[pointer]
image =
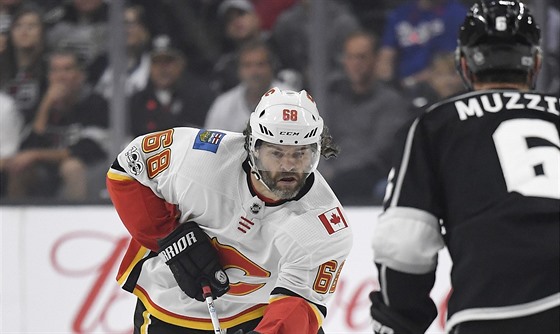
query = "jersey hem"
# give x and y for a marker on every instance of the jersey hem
(506, 312)
(157, 311)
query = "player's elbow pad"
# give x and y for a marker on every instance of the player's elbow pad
(407, 240)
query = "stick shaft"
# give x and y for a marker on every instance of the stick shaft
(207, 294)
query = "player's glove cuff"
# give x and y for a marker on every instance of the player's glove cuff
(389, 321)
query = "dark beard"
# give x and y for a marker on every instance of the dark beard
(282, 193)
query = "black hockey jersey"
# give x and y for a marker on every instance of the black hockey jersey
(479, 173)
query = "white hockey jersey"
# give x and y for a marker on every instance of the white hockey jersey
(268, 250)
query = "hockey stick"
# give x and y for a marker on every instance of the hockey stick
(207, 294)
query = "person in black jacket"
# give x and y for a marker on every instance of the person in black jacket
(173, 96)
(478, 174)
(68, 134)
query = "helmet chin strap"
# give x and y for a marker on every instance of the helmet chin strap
(257, 174)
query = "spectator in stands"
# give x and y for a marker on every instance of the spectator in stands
(269, 10)
(364, 115)
(551, 63)
(5, 22)
(68, 135)
(193, 24)
(241, 24)
(7, 9)
(137, 52)
(414, 32)
(442, 81)
(171, 98)
(371, 14)
(256, 68)
(290, 35)
(11, 128)
(3, 41)
(82, 25)
(22, 65)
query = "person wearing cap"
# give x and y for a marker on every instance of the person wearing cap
(171, 97)
(240, 5)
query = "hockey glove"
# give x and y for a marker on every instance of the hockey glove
(240, 331)
(193, 261)
(388, 321)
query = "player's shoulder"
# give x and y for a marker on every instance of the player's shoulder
(188, 138)
(448, 102)
(319, 218)
(178, 150)
(319, 232)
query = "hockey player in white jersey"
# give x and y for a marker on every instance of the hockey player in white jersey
(246, 214)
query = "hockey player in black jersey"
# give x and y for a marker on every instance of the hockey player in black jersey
(478, 173)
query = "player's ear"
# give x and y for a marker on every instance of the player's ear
(463, 69)
(534, 73)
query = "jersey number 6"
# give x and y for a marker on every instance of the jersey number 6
(327, 277)
(529, 153)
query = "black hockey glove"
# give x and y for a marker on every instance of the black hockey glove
(193, 261)
(240, 331)
(388, 321)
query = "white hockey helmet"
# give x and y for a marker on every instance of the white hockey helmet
(285, 117)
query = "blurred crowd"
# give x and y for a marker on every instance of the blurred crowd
(206, 63)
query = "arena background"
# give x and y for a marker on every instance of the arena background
(58, 261)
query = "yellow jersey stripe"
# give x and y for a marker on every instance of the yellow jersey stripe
(116, 175)
(197, 323)
(142, 253)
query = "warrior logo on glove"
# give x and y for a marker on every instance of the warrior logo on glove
(194, 261)
(180, 245)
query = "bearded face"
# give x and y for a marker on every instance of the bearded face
(285, 185)
(284, 168)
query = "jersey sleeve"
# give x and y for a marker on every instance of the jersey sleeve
(146, 216)
(413, 177)
(407, 236)
(139, 185)
(153, 159)
(289, 314)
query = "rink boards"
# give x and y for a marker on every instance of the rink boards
(59, 266)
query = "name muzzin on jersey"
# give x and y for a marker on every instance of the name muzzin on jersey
(476, 104)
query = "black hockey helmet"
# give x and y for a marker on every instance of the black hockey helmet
(498, 35)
